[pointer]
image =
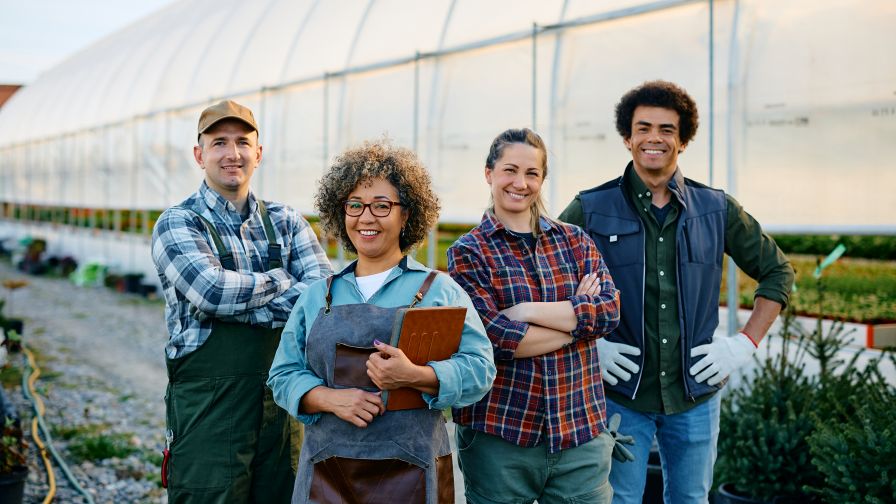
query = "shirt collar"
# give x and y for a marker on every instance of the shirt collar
(406, 263)
(218, 204)
(640, 192)
(491, 224)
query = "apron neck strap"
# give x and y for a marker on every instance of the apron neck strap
(329, 298)
(424, 288)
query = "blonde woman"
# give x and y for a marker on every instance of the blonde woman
(545, 297)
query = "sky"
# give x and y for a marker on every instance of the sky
(35, 35)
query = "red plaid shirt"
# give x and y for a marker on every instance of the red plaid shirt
(558, 396)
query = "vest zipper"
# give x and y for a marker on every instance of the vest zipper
(643, 295)
(682, 315)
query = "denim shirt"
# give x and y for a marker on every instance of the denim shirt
(463, 379)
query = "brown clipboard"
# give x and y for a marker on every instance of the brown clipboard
(425, 334)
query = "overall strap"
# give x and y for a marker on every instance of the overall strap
(424, 288)
(225, 256)
(274, 260)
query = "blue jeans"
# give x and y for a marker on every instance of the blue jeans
(687, 443)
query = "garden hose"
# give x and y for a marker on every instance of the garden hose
(37, 403)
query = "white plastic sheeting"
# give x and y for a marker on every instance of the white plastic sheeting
(804, 98)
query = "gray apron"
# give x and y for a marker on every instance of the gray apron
(401, 456)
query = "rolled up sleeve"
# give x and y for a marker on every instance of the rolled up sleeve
(596, 315)
(289, 378)
(757, 254)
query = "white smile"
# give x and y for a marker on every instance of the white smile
(515, 195)
(653, 152)
(368, 232)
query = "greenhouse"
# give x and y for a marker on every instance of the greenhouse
(797, 106)
(797, 103)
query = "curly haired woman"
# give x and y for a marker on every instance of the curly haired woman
(379, 201)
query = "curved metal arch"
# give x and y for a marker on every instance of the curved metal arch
(246, 42)
(552, 103)
(187, 35)
(436, 77)
(111, 80)
(340, 110)
(209, 43)
(296, 38)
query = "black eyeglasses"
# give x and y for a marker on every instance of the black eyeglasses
(379, 208)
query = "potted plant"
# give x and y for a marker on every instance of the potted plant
(11, 340)
(132, 282)
(11, 324)
(13, 468)
(789, 435)
(853, 445)
(10, 331)
(763, 426)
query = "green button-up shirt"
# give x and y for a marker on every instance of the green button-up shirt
(662, 381)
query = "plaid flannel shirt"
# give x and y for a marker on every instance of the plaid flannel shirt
(557, 397)
(198, 289)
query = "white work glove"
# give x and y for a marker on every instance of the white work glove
(612, 362)
(723, 356)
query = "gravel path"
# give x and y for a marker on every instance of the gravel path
(103, 378)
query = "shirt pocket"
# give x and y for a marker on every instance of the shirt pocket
(565, 278)
(350, 367)
(511, 285)
(617, 239)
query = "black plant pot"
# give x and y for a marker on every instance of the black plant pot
(726, 494)
(132, 283)
(14, 324)
(17, 325)
(12, 485)
(148, 290)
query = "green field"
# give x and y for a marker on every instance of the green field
(857, 290)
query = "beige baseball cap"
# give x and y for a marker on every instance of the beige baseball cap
(227, 109)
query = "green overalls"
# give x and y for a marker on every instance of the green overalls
(229, 442)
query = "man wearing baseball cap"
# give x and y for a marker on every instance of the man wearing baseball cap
(231, 267)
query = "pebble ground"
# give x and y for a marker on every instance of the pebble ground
(102, 373)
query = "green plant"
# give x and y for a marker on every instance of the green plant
(100, 446)
(853, 446)
(764, 424)
(13, 341)
(12, 446)
(153, 457)
(829, 435)
(871, 247)
(10, 375)
(68, 433)
(858, 290)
